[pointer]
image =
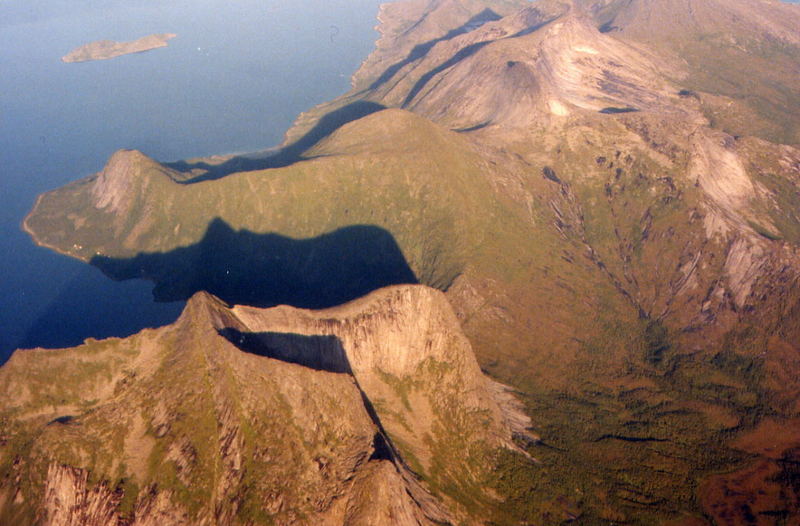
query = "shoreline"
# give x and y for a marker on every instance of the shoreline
(108, 49)
(38, 242)
(378, 28)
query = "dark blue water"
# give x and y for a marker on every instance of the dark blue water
(232, 81)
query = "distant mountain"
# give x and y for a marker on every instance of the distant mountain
(608, 192)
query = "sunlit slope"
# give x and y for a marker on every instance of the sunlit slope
(747, 52)
(611, 244)
(663, 326)
(408, 31)
(372, 413)
(651, 307)
(392, 169)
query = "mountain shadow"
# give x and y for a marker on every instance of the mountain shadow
(318, 352)
(244, 267)
(452, 61)
(88, 305)
(420, 50)
(462, 54)
(290, 154)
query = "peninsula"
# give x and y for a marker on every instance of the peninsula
(105, 49)
(483, 205)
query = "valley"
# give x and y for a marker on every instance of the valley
(606, 195)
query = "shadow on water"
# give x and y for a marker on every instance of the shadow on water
(285, 156)
(269, 269)
(87, 305)
(241, 267)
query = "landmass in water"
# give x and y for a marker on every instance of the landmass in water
(105, 49)
(606, 193)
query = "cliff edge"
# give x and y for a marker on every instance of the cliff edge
(374, 412)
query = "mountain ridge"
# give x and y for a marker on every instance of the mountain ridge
(339, 427)
(612, 219)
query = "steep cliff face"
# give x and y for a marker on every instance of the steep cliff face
(608, 194)
(416, 367)
(353, 415)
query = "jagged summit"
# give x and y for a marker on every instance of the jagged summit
(239, 415)
(606, 193)
(543, 60)
(613, 56)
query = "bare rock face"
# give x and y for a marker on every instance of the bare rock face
(113, 186)
(607, 190)
(69, 502)
(252, 416)
(415, 366)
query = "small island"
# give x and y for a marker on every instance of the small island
(106, 49)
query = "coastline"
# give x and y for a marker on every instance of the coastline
(108, 49)
(37, 241)
(379, 28)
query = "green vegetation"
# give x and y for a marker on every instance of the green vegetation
(755, 73)
(457, 461)
(656, 341)
(588, 266)
(784, 211)
(350, 187)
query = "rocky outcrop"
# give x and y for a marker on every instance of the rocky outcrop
(113, 186)
(415, 366)
(258, 416)
(69, 502)
(606, 190)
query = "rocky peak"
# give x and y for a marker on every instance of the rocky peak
(522, 70)
(244, 414)
(113, 186)
(403, 334)
(609, 200)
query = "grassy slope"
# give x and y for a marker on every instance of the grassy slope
(239, 437)
(736, 50)
(633, 388)
(345, 184)
(209, 407)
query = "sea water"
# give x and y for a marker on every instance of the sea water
(233, 80)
